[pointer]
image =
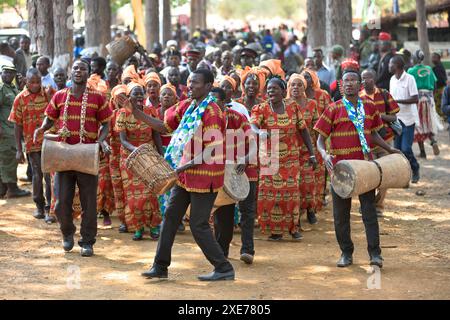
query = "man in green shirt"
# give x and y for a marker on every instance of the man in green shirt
(8, 162)
(429, 120)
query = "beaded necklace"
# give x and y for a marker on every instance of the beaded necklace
(64, 132)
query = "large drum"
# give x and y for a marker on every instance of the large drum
(354, 177)
(121, 49)
(147, 164)
(61, 156)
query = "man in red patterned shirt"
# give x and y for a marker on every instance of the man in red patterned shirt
(96, 129)
(388, 108)
(28, 114)
(199, 181)
(342, 122)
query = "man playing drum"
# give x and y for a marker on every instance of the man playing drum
(82, 114)
(352, 126)
(199, 181)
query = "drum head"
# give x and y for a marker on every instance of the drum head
(236, 186)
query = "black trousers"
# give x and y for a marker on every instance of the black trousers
(224, 223)
(341, 213)
(201, 206)
(64, 191)
(38, 186)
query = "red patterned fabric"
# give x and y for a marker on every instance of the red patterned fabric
(203, 177)
(28, 111)
(278, 194)
(141, 207)
(345, 144)
(97, 112)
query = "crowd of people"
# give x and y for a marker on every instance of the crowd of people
(326, 107)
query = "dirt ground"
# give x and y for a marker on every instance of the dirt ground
(415, 238)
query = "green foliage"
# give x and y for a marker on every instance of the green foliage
(15, 4)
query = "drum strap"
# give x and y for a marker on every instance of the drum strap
(381, 172)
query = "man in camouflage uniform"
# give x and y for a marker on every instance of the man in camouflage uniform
(8, 162)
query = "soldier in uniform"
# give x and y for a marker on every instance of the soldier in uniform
(8, 162)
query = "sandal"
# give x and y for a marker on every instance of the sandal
(275, 237)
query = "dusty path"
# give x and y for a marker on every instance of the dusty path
(415, 241)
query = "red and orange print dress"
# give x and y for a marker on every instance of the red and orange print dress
(278, 192)
(141, 207)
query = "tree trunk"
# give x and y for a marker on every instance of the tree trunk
(316, 23)
(195, 15)
(422, 30)
(41, 26)
(167, 22)
(338, 23)
(204, 8)
(98, 24)
(63, 25)
(151, 23)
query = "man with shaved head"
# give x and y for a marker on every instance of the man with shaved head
(28, 113)
(60, 78)
(43, 64)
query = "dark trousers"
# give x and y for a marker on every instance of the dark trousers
(29, 168)
(64, 191)
(42, 203)
(224, 226)
(224, 223)
(201, 206)
(404, 143)
(341, 213)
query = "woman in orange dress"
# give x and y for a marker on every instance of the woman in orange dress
(323, 100)
(141, 207)
(296, 91)
(118, 98)
(278, 191)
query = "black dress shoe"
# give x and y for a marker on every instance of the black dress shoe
(345, 261)
(376, 261)
(39, 214)
(49, 218)
(311, 215)
(68, 243)
(123, 228)
(155, 272)
(217, 276)
(87, 250)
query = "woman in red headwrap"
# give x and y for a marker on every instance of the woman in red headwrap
(297, 91)
(141, 207)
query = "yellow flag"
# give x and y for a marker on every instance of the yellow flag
(139, 20)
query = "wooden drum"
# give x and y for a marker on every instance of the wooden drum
(147, 164)
(61, 156)
(235, 188)
(121, 49)
(354, 177)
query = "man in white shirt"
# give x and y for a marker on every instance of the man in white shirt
(325, 74)
(403, 89)
(43, 64)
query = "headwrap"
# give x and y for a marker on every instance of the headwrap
(419, 55)
(152, 76)
(314, 77)
(95, 82)
(350, 64)
(169, 86)
(296, 76)
(231, 81)
(384, 36)
(118, 90)
(258, 73)
(130, 72)
(133, 85)
(274, 67)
